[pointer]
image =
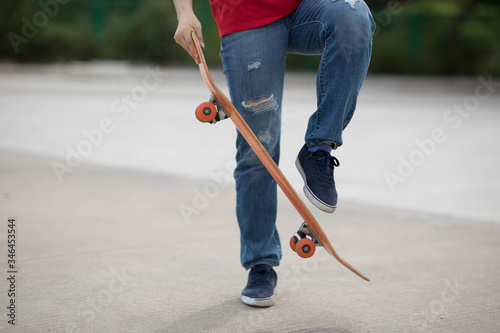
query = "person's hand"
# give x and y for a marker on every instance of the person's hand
(187, 23)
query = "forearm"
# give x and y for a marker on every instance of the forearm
(183, 7)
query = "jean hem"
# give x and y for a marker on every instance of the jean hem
(269, 262)
(316, 142)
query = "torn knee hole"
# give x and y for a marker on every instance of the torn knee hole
(264, 137)
(254, 65)
(351, 3)
(260, 105)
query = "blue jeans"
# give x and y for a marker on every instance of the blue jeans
(254, 64)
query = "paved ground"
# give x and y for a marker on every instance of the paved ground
(109, 251)
(130, 235)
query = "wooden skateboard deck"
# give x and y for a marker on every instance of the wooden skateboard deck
(220, 107)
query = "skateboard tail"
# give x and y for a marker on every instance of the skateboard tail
(266, 160)
(346, 264)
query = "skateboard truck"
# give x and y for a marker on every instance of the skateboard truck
(211, 111)
(304, 241)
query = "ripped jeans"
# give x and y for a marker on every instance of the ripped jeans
(254, 64)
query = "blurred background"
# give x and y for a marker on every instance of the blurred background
(67, 64)
(449, 37)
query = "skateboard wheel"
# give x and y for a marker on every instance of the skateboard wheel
(293, 243)
(206, 112)
(305, 248)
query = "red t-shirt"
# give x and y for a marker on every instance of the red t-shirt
(238, 15)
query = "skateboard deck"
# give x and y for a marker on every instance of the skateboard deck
(310, 233)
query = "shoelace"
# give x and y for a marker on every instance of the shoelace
(259, 277)
(329, 163)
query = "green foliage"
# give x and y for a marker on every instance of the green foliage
(146, 34)
(443, 38)
(35, 35)
(446, 37)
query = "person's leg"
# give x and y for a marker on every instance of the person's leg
(341, 31)
(254, 64)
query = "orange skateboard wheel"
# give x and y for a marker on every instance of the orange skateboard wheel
(293, 244)
(306, 248)
(206, 112)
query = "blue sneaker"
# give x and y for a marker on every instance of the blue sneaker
(259, 290)
(316, 168)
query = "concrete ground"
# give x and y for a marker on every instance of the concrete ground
(109, 251)
(132, 238)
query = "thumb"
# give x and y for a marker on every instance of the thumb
(200, 38)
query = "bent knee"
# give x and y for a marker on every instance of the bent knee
(351, 18)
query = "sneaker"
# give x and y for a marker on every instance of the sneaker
(316, 168)
(259, 290)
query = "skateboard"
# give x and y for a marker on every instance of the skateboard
(310, 234)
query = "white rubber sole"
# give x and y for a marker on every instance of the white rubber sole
(259, 302)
